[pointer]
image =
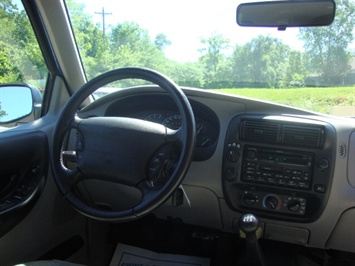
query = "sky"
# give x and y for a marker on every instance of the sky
(182, 25)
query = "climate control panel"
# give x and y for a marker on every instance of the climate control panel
(273, 202)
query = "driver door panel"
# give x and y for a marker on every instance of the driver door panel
(36, 223)
(23, 168)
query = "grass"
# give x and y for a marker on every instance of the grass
(313, 99)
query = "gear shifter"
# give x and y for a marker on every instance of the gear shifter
(248, 224)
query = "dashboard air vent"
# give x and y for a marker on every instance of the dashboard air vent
(260, 131)
(303, 136)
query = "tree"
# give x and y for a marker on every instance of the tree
(129, 34)
(161, 41)
(2, 112)
(93, 45)
(213, 56)
(295, 72)
(327, 46)
(20, 57)
(187, 74)
(8, 70)
(260, 62)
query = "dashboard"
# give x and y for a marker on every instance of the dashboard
(293, 169)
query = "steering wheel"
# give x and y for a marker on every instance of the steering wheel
(121, 150)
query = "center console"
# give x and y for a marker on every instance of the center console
(278, 167)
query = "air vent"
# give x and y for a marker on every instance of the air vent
(260, 131)
(303, 136)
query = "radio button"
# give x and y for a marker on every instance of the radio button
(260, 179)
(248, 178)
(291, 183)
(250, 171)
(267, 174)
(306, 176)
(270, 180)
(319, 188)
(295, 172)
(303, 184)
(251, 164)
(251, 154)
(281, 182)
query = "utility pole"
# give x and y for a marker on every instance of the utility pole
(103, 14)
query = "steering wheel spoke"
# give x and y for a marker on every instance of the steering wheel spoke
(174, 135)
(74, 177)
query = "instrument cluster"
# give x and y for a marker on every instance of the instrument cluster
(206, 133)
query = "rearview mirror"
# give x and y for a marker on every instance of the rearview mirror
(283, 14)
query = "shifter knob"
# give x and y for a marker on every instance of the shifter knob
(248, 223)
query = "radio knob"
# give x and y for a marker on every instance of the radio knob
(294, 205)
(271, 202)
(251, 154)
(323, 164)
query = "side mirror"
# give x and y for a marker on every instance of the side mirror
(19, 103)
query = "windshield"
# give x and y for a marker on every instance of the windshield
(199, 44)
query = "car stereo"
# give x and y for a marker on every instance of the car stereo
(278, 167)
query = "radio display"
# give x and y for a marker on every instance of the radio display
(282, 158)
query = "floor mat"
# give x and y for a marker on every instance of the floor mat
(126, 255)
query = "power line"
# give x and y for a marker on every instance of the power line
(103, 14)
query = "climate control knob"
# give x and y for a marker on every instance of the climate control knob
(294, 205)
(272, 202)
(250, 198)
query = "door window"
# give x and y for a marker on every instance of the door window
(21, 62)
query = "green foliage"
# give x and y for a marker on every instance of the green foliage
(161, 41)
(187, 74)
(326, 47)
(262, 63)
(213, 58)
(2, 112)
(314, 99)
(20, 57)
